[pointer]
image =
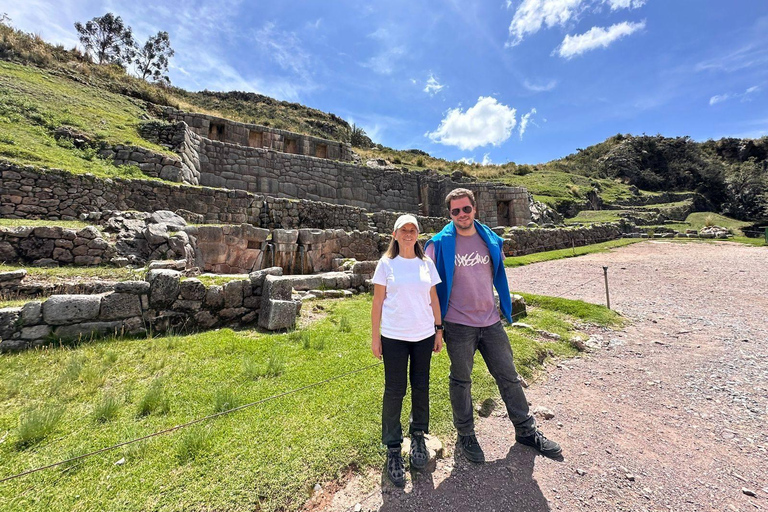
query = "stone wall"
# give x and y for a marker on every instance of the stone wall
(33, 193)
(162, 303)
(51, 246)
(263, 137)
(231, 161)
(522, 241)
(166, 302)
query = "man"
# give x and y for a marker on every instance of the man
(470, 261)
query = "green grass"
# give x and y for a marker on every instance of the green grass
(34, 102)
(700, 220)
(216, 280)
(757, 242)
(72, 272)
(519, 261)
(595, 216)
(73, 224)
(266, 457)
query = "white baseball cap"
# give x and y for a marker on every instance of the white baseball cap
(406, 219)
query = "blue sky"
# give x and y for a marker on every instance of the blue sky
(503, 80)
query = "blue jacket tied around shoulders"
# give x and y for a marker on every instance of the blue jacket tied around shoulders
(445, 260)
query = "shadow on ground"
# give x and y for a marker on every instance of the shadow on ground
(503, 484)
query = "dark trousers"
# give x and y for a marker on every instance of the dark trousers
(396, 354)
(462, 341)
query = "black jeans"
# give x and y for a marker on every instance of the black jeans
(395, 354)
(462, 341)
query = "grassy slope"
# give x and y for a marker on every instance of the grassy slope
(268, 456)
(33, 103)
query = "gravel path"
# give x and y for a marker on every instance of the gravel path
(670, 414)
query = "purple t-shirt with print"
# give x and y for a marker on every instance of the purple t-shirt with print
(471, 301)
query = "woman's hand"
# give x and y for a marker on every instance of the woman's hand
(438, 342)
(376, 346)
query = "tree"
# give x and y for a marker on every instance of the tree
(152, 58)
(108, 39)
(358, 138)
(747, 186)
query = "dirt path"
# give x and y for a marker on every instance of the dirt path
(669, 415)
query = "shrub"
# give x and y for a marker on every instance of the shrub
(154, 400)
(224, 399)
(192, 443)
(344, 324)
(106, 409)
(419, 162)
(37, 423)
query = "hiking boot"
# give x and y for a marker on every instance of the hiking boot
(469, 446)
(395, 467)
(419, 455)
(545, 446)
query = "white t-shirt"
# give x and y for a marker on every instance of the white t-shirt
(407, 310)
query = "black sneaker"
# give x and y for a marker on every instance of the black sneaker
(545, 446)
(395, 467)
(419, 455)
(469, 446)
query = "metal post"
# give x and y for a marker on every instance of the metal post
(766, 234)
(607, 296)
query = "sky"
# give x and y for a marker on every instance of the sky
(493, 81)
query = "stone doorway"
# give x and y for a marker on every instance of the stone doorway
(321, 151)
(256, 139)
(505, 213)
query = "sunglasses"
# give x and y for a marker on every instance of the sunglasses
(465, 209)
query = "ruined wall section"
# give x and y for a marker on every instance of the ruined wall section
(262, 137)
(34, 193)
(232, 159)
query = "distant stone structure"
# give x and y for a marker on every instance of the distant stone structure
(221, 153)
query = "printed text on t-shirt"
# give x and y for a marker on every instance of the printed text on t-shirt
(471, 259)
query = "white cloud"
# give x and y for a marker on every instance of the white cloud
(466, 160)
(596, 37)
(524, 122)
(486, 159)
(433, 86)
(285, 48)
(533, 14)
(624, 4)
(745, 96)
(385, 61)
(540, 87)
(717, 98)
(488, 122)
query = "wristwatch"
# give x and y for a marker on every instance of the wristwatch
(439, 327)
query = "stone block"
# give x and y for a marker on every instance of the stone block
(192, 289)
(134, 287)
(87, 330)
(278, 314)
(257, 278)
(13, 275)
(233, 293)
(214, 297)
(119, 306)
(276, 288)
(9, 322)
(36, 332)
(7, 252)
(71, 309)
(32, 313)
(163, 287)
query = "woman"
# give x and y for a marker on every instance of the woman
(406, 323)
